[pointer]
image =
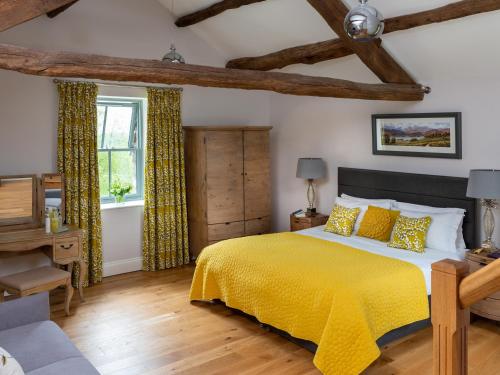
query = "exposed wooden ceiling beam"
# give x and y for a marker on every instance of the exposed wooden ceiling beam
(211, 11)
(335, 48)
(15, 12)
(56, 12)
(306, 54)
(75, 65)
(375, 57)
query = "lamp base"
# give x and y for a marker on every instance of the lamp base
(488, 246)
(488, 225)
(311, 211)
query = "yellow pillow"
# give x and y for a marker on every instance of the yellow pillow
(342, 220)
(378, 223)
(409, 233)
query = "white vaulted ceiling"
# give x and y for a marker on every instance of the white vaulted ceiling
(467, 47)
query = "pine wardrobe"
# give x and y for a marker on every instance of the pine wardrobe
(228, 183)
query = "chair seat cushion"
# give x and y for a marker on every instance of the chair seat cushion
(30, 279)
(38, 345)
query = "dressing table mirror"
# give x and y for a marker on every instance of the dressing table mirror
(18, 202)
(52, 193)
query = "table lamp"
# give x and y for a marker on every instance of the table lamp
(311, 169)
(484, 184)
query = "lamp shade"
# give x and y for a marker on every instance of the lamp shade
(484, 184)
(311, 168)
(173, 56)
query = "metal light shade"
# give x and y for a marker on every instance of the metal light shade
(484, 184)
(364, 23)
(311, 168)
(173, 56)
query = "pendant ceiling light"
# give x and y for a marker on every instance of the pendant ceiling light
(364, 23)
(173, 56)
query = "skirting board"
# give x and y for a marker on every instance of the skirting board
(122, 266)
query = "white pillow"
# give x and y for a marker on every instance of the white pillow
(460, 242)
(372, 202)
(349, 203)
(401, 206)
(442, 234)
(8, 365)
(460, 236)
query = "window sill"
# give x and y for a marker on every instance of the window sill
(112, 206)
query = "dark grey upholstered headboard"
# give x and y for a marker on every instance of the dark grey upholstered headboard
(429, 190)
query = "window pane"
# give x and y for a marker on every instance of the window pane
(101, 110)
(117, 132)
(103, 173)
(123, 168)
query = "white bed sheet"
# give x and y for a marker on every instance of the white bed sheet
(422, 260)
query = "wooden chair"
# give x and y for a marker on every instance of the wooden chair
(37, 280)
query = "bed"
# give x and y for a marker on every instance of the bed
(346, 296)
(430, 190)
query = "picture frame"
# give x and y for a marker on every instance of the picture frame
(427, 135)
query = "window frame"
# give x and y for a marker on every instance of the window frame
(136, 123)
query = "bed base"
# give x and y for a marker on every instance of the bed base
(386, 339)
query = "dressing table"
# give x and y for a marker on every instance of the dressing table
(62, 248)
(23, 200)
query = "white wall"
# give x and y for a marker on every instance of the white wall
(128, 28)
(339, 131)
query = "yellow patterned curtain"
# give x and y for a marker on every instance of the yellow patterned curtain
(165, 242)
(77, 159)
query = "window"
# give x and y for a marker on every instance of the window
(120, 146)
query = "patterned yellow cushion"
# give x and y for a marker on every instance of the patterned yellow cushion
(342, 220)
(378, 223)
(409, 233)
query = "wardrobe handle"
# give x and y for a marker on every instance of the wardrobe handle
(66, 247)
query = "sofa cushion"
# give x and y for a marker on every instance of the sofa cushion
(38, 344)
(78, 366)
(26, 310)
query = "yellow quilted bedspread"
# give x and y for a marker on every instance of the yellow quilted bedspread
(338, 297)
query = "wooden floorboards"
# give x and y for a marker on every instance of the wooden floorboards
(142, 323)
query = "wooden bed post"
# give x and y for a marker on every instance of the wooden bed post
(449, 320)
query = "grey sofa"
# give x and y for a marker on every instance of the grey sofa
(38, 344)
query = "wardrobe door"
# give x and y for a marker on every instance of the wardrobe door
(195, 156)
(257, 174)
(225, 201)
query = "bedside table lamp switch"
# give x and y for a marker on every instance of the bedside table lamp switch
(311, 169)
(484, 184)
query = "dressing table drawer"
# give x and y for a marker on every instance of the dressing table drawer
(67, 248)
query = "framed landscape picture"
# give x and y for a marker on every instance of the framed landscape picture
(431, 135)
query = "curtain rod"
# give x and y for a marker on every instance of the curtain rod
(123, 85)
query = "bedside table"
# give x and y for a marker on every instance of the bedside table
(490, 306)
(299, 223)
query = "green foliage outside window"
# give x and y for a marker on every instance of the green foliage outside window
(120, 144)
